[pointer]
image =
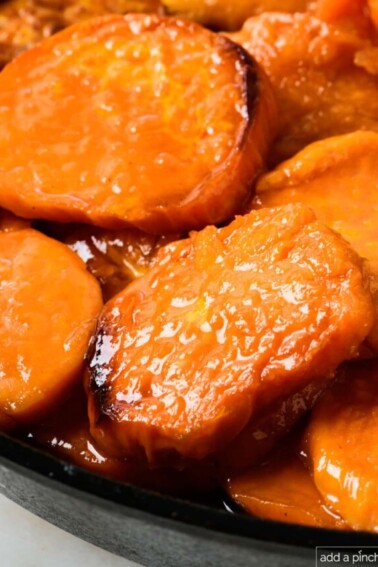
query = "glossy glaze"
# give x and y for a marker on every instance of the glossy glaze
(283, 490)
(337, 179)
(65, 434)
(270, 425)
(224, 321)
(341, 444)
(116, 258)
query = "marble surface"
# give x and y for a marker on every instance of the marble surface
(28, 541)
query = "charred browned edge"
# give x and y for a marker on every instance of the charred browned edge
(251, 83)
(251, 90)
(100, 391)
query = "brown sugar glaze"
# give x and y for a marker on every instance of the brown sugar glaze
(66, 435)
(281, 489)
(116, 258)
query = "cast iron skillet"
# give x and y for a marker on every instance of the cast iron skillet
(150, 528)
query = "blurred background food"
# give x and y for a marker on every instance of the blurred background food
(25, 22)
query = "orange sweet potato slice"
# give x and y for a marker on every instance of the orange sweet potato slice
(226, 15)
(137, 120)
(337, 178)
(317, 76)
(342, 446)
(224, 322)
(48, 310)
(115, 258)
(283, 490)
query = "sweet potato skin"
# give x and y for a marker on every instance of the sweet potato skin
(48, 305)
(227, 320)
(336, 177)
(350, 412)
(103, 86)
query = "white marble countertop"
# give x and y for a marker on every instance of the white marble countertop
(28, 541)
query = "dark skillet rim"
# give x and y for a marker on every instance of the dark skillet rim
(179, 510)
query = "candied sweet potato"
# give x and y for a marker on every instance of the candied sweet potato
(282, 490)
(322, 89)
(48, 310)
(224, 322)
(226, 15)
(136, 120)
(115, 258)
(342, 446)
(337, 178)
(23, 23)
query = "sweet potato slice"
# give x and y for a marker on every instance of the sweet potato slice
(48, 310)
(136, 120)
(283, 490)
(226, 15)
(224, 322)
(342, 447)
(316, 74)
(337, 178)
(115, 258)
